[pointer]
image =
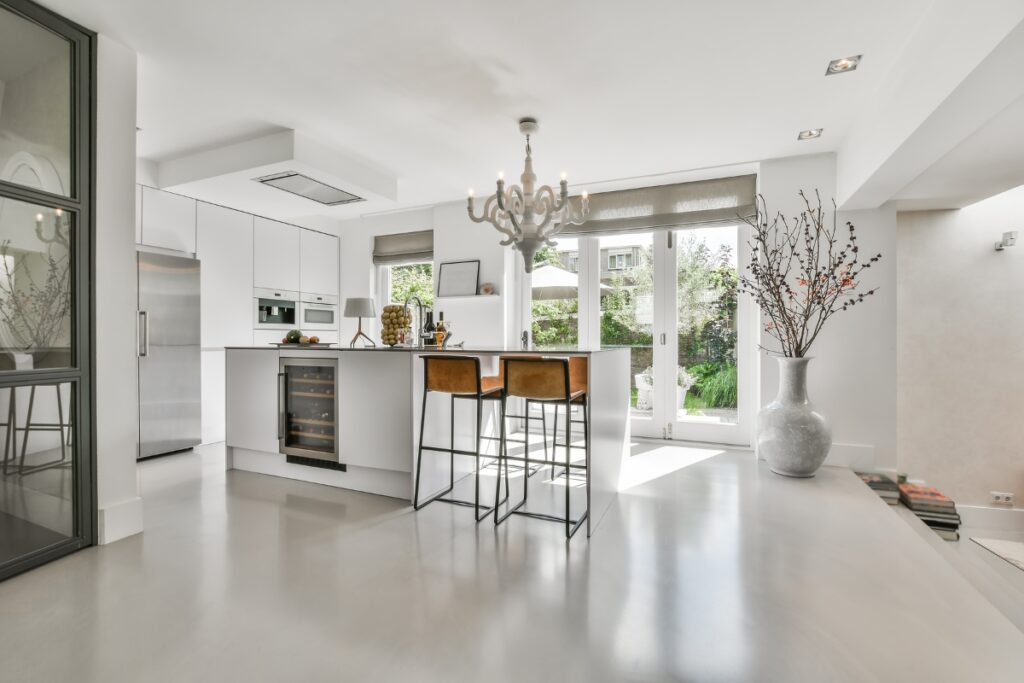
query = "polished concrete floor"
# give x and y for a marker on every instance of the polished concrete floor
(707, 568)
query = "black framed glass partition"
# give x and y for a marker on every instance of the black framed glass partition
(47, 110)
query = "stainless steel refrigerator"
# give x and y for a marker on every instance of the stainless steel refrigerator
(170, 393)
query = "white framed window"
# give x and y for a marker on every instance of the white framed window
(396, 282)
(620, 261)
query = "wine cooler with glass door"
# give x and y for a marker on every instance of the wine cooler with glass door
(308, 409)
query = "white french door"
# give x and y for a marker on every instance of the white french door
(707, 342)
(671, 296)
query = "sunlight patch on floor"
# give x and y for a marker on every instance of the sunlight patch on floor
(649, 461)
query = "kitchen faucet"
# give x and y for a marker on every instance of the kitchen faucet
(419, 318)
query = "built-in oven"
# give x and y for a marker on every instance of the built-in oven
(318, 312)
(275, 309)
(307, 406)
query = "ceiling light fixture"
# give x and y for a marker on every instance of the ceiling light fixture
(810, 134)
(529, 218)
(843, 65)
(304, 186)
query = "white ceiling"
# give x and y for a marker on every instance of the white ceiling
(430, 91)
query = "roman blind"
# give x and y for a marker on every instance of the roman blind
(703, 202)
(403, 247)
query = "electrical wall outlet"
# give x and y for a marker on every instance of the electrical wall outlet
(1001, 497)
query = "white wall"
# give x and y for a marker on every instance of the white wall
(961, 349)
(116, 295)
(853, 377)
(456, 238)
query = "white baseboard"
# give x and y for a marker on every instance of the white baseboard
(997, 519)
(120, 520)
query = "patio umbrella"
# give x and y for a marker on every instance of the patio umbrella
(551, 282)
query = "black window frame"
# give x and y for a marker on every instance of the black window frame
(80, 204)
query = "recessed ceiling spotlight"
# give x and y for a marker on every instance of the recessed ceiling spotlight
(842, 65)
(810, 134)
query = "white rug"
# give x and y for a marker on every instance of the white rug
(1011, 551)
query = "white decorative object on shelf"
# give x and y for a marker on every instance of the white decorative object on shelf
(529, 218)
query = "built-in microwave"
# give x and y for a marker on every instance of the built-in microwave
(318, 312)
(275, 309)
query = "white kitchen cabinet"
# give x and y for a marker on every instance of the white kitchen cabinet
(168, 220)
(265, 337)
(276, 255)
(251, 408)
(320, 255)
(225, 250)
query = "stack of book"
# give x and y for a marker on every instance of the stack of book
(885, 487)
(932, 508)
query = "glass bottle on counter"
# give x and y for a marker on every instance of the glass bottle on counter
(439, 330)
(427, 331)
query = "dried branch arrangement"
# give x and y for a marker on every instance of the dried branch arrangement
(802, 272)
(36, 313)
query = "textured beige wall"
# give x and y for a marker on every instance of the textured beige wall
(961, 349)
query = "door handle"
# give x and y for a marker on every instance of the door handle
(143, 333)
(280, 405)
(662, 338)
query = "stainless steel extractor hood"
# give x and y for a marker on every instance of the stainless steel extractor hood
(304, 186)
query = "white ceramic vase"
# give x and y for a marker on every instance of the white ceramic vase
(791, 435)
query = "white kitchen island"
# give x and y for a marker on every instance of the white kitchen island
(378, 394)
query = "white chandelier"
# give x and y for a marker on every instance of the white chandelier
(528, 218)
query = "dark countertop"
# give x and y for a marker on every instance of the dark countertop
(567, 350)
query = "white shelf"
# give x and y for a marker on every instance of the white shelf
(460, 297)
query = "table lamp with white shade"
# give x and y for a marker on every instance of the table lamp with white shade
(360, 307)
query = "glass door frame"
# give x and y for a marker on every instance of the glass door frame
(79, 204)
(667, 350)
(663, 422)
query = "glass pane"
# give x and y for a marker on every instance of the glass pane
(35, 286)
(37, 473)
(310, 413)
(35, 106)
(706, 291)
(413, 279)
(627, 309)
(319, 316)
(555, 296)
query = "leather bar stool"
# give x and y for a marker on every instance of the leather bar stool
(546, 381)
(459, 377)
(498, 380)
(578, 384)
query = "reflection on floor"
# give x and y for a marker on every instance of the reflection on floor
(19, 537)
(36, 508)
(718, 570)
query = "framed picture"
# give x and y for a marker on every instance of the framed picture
(458, 278)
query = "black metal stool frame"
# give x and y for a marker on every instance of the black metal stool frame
(582, 402)
(479, 397)
(571, 525)
(11, 439)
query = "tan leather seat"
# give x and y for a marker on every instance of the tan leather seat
(459, 378)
